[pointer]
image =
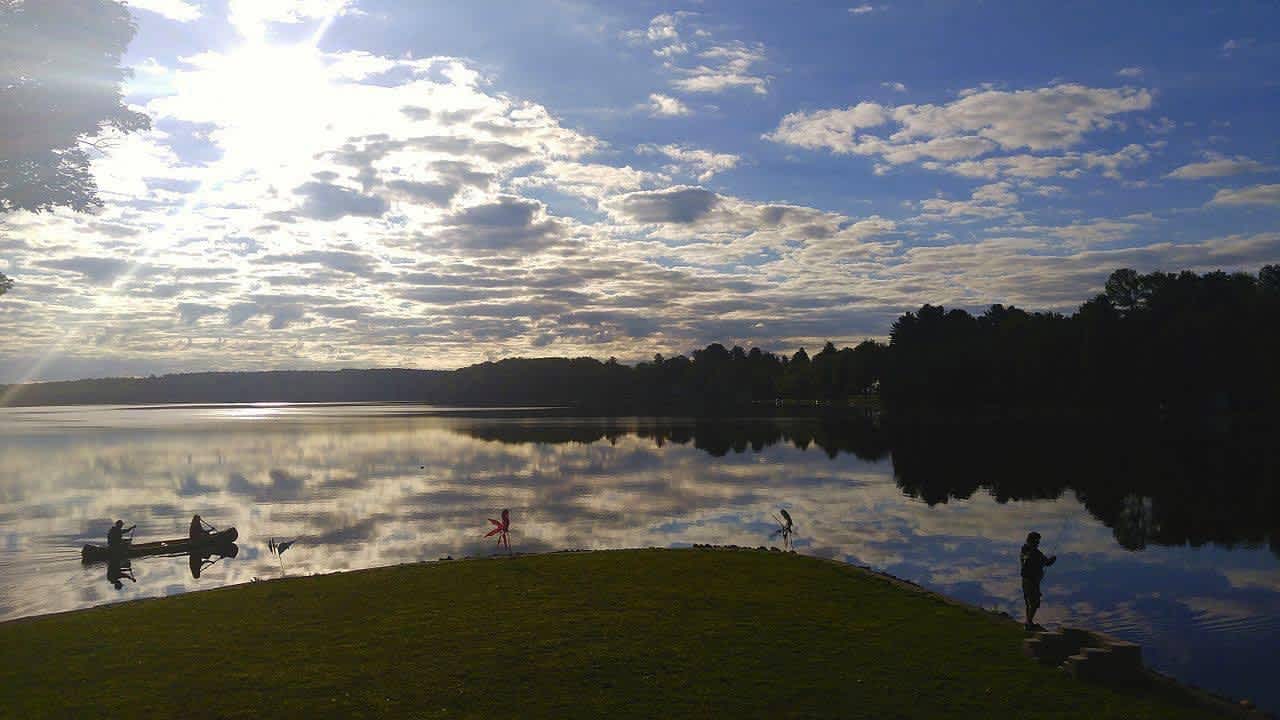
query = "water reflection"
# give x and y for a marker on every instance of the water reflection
(117, 569)
(360, 486)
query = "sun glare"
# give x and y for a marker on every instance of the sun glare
(274, 101)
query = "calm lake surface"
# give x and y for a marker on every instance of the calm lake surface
(1170, 542)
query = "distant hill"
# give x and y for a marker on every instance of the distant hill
(541, 381)
(236, 387)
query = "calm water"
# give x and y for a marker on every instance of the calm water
(1171, 542)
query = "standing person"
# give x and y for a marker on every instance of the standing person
(115, 536)
(1033, 562)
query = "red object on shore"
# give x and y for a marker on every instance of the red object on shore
(501, 529)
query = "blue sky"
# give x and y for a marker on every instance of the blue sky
(372, 182)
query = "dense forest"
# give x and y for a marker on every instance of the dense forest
(1161, 341)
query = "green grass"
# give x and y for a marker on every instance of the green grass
(643, 633)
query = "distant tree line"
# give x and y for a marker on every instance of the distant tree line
(1182, 342)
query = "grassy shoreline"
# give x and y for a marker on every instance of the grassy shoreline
(633, 633)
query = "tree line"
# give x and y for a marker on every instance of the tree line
(1149, 342)
(1178, 342)
(1173, 341)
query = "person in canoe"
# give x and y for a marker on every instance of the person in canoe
(199, 528)
(115, 536)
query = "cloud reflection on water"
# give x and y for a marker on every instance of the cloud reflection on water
(373, 488)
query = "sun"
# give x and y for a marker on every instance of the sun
(271, 103)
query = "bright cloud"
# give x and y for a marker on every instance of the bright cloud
(1215, 165)
(251, 17)
(704, 164)
(1255, 195)
(697, 63)
(369, 202)
(179, 10)
(982, 122)
(666, 106)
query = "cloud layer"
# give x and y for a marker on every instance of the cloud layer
(299, 205)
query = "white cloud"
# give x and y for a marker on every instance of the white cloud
(591, 180)
(1231, 46)
(987, 201)
(955, 136)
(1068, 165)
(251, 17)
(713, 67)
(1130, 72)
(894, 86)
(1047, 118)
(704, 164)
(666, 106)
(727, 67)
(863, 9)
(179, 10)
(1254, 195)
(1129, 156)
(1216, 165)
(834, 129)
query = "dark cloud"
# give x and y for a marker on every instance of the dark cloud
(434, 193)
(171, 184)
(341, 260)
(190, 313)
(281, 317)
(507, 223)
(416, 113)
(238, 313)
(498, 152)
(444, 295)
(322, 201)
(681, 204)
(343, 312)
(633, 325)
(113, 230)
(96, 270)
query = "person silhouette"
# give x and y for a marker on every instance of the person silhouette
(199, 529)
(115, 536)
(1032, 564)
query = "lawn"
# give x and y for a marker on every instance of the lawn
(640, 633)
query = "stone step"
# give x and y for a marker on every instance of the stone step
(1126, 654)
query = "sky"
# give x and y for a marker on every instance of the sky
(407, 183)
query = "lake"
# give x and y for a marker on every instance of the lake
(1167, 536)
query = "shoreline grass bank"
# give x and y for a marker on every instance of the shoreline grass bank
(632, 633)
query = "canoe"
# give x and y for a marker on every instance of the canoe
(210, 544)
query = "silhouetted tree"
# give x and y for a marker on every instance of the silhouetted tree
(6, 284)
(1124, 289)
(1269, 279)
(60, 78)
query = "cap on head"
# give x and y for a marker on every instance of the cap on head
(119, 523)
(1033, 537)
